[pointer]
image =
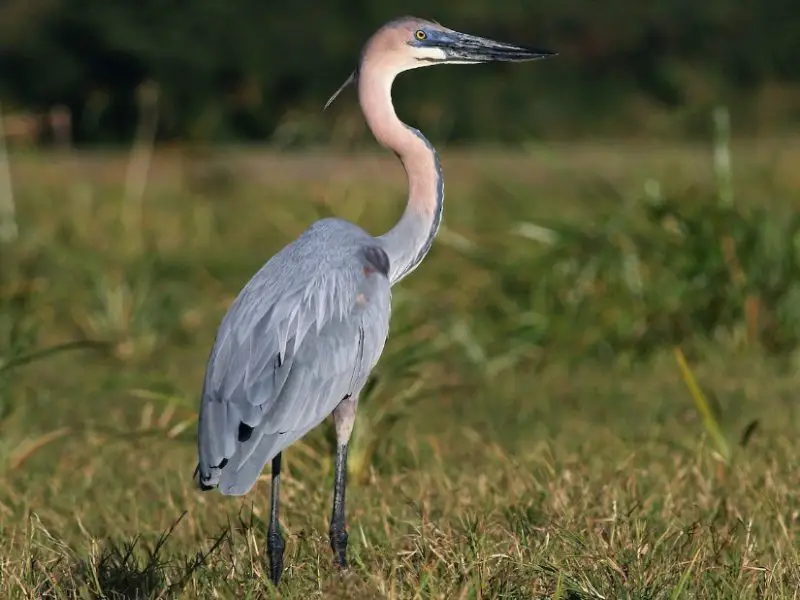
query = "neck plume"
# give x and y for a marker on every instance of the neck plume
(409, 241)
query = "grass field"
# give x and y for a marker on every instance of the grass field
(529, 432)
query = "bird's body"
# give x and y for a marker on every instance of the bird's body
(301, 338)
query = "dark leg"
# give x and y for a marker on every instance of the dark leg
(338, 532)
(275, 544)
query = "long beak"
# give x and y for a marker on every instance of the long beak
(466, 48)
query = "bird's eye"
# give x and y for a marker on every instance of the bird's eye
(420, 35)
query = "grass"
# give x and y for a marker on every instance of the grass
(528, 433)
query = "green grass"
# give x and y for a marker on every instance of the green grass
(514, 443)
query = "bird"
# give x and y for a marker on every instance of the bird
(301, 338)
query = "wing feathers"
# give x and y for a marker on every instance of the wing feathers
(303, 333)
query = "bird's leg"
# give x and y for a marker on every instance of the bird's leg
(338, 532)
(344, 418)
(275, 543)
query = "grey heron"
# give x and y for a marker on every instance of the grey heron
(301, 338)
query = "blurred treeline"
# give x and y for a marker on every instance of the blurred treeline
(261, 69)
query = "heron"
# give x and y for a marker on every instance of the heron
(300, 340)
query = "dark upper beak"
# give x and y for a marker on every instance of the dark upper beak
(462, 47)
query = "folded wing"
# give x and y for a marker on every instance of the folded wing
(302, 335)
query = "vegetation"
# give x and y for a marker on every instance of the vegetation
(589, 390)
(255, 70)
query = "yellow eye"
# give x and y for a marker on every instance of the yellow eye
(420, 35)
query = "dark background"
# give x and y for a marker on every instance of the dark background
(253, 70)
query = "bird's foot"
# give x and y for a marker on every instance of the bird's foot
(275, 547)
(339, 545)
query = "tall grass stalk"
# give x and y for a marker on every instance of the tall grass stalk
(8, 219)
(141, 158)
(723, 173)
(701, 403)
(723, 169)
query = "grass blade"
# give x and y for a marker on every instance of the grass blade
(701, 403)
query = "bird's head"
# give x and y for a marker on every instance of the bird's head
(410, 43)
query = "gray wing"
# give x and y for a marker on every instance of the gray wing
(303, 334)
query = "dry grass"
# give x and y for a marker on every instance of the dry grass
(494, 467)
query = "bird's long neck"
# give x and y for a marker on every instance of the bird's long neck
(409, 241)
